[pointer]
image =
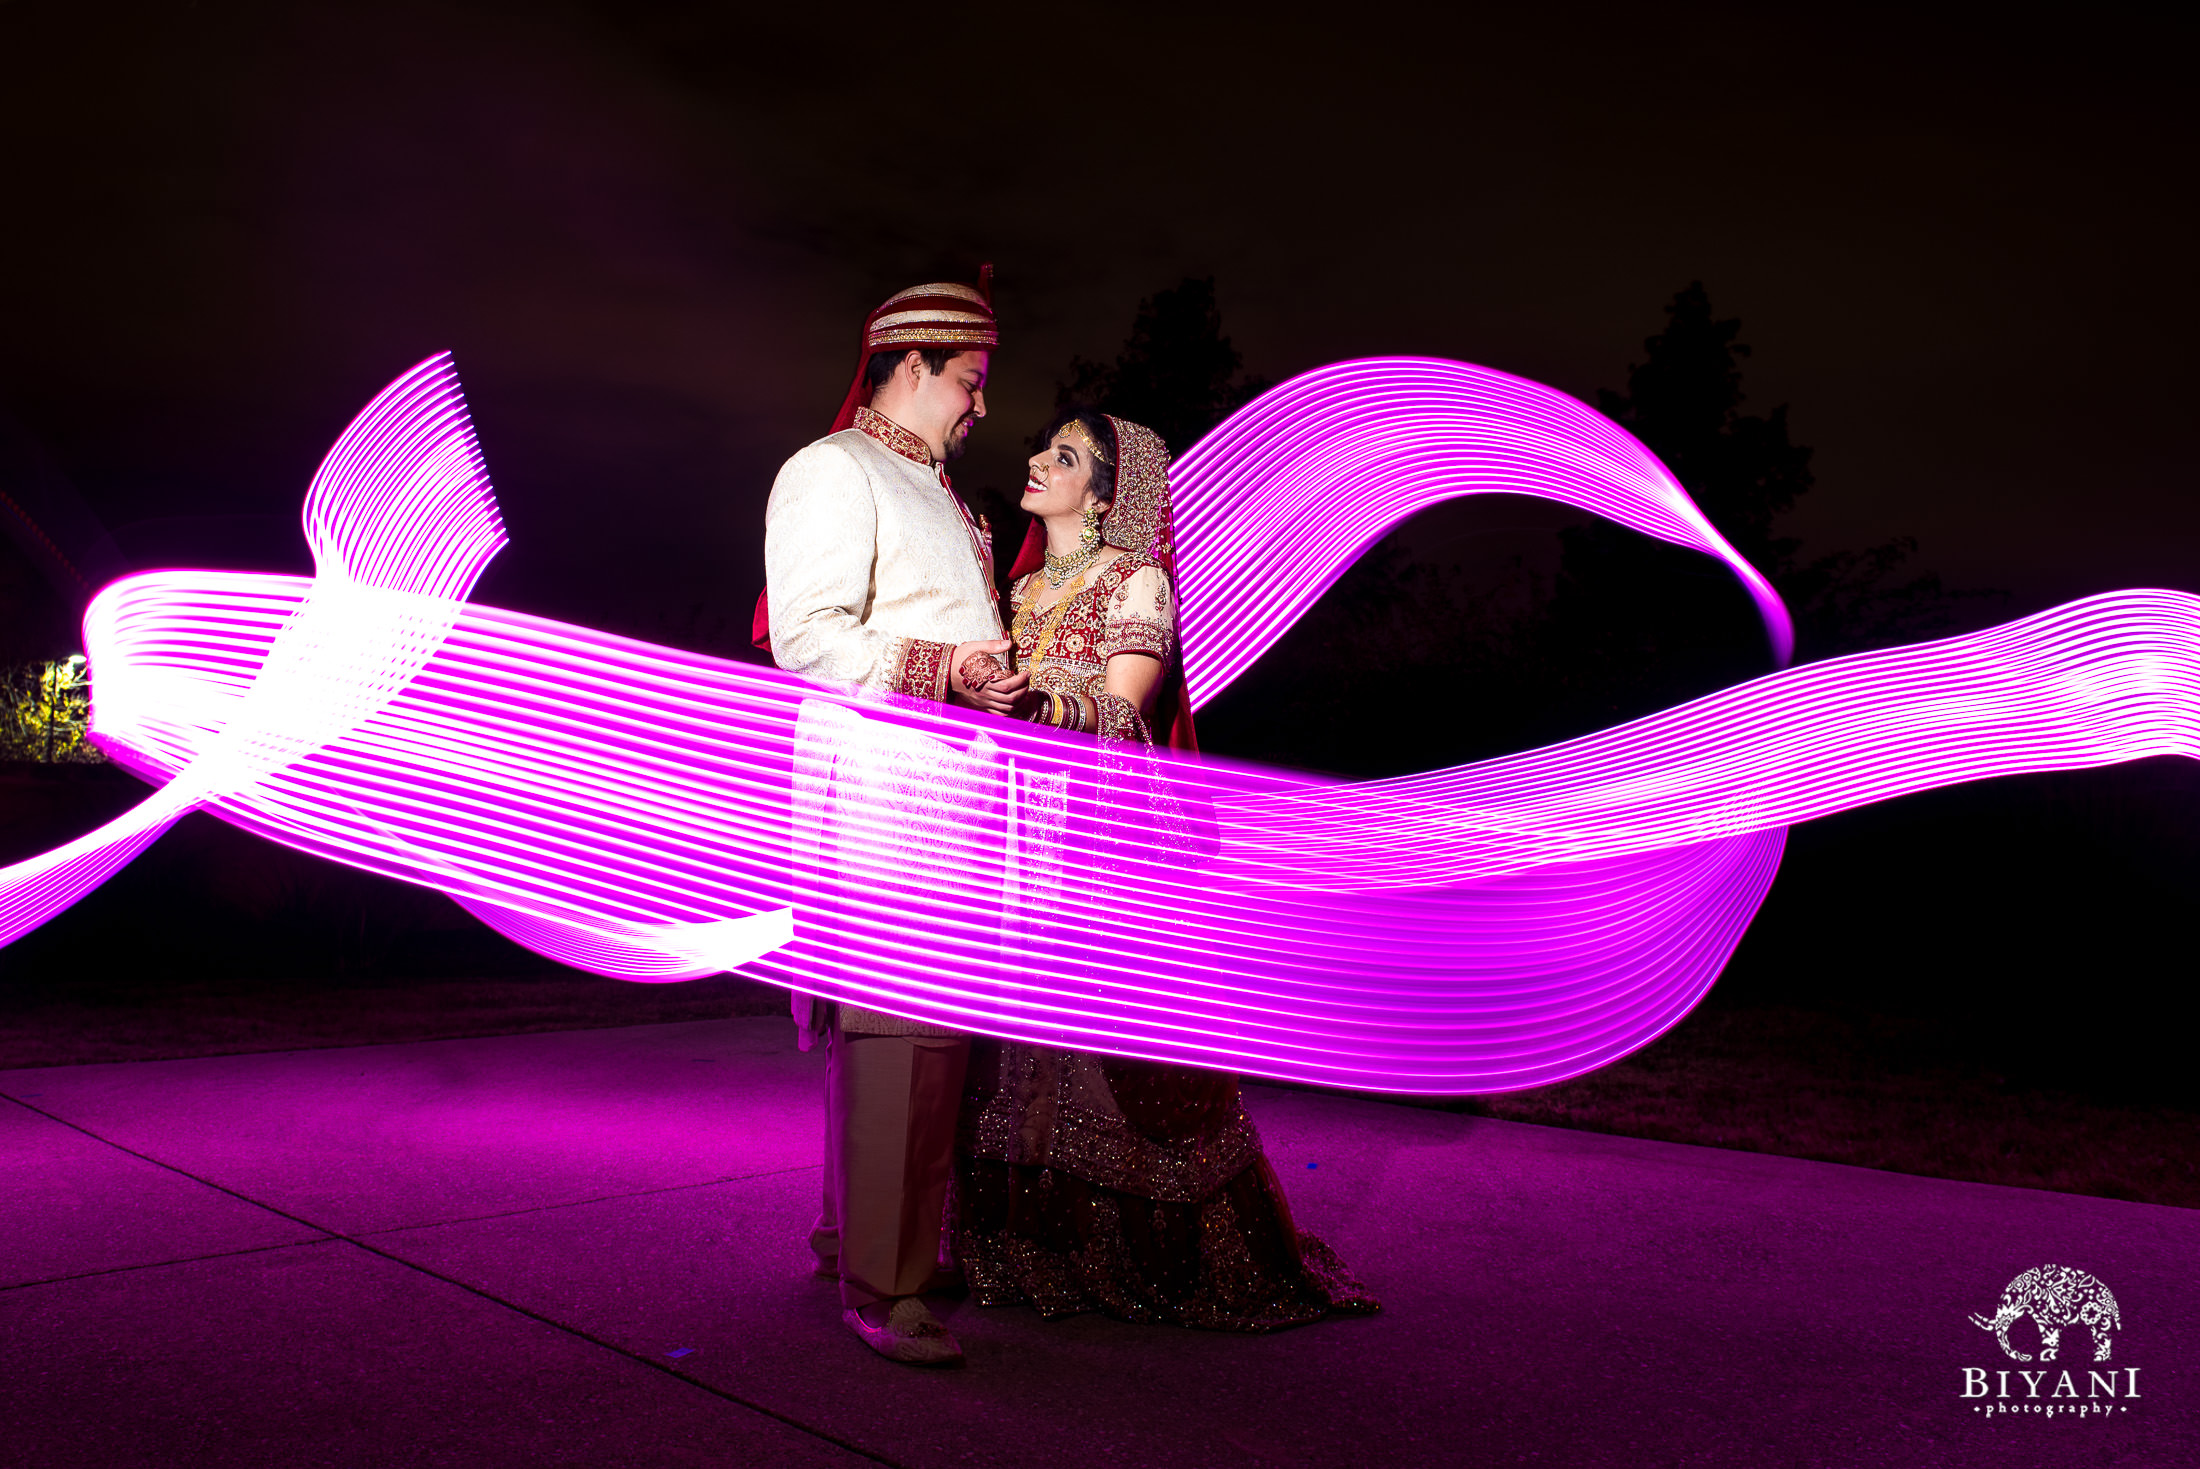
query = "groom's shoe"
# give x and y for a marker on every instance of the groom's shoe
(905, 1330)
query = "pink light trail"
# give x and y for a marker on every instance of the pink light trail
(1274, 504)
(652, 814)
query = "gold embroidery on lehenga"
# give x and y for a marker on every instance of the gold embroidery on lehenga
(1069, 650)
(1140, 1191)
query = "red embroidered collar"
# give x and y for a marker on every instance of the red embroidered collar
(894, 437)
(914, 449)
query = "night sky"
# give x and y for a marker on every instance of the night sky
(1961, 248)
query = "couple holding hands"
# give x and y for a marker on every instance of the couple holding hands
(1062, 1180)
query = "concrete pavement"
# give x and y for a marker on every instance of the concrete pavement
(585, 1248)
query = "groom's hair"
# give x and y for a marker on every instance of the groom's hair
(878, 369)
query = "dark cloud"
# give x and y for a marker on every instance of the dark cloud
(650, 230)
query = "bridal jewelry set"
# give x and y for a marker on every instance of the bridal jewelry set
(1060, 569)
(1066, 711)
(1062, 711)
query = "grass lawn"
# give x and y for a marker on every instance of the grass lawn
(1868, 1090)
(1879, 1092)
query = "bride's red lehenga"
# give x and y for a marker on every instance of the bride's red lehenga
(1084, 1182)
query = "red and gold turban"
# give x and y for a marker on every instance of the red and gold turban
(938, 315)
(942, 314)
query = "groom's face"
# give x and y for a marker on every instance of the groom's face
(953, 399)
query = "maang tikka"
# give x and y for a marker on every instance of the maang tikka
(1076, 427)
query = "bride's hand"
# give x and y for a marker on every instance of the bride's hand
(978, 678)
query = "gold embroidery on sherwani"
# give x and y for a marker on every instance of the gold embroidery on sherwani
(894, 437)
(869, 558)
(873, 581)
(917, 451)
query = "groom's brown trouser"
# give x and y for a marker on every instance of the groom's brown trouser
(890, 1105)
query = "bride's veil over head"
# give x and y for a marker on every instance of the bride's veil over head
(1138, 518)
(1137, 521)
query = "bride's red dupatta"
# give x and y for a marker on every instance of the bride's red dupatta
(1137, 520)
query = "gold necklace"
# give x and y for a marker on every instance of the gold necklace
(1045, 642)
(1061, 568)
(1076, 563)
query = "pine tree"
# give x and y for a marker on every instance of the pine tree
(1684, 403)
(1636, 624)
(1632, 625)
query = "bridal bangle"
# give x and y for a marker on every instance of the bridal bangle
(1063, 711)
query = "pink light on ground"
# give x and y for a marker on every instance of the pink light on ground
(653, 814)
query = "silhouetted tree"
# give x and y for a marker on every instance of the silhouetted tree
(1636, 624)
(1178, 374)
(1684, 402)
(1404, 665)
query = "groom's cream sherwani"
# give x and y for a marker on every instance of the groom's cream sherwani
(875, 572)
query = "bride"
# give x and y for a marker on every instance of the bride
(1084, 1182)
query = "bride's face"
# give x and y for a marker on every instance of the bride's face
(1061, 478)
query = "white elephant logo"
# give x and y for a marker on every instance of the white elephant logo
(2054, 1296)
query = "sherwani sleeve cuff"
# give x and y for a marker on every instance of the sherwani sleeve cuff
(921, 671)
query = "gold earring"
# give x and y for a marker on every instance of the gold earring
(1090, 540)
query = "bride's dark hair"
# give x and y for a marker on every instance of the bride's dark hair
(1102, 432)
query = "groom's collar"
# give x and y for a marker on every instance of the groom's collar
(896, 438)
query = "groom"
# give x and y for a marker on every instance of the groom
(876, 577)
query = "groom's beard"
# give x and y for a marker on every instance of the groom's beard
(959, 436)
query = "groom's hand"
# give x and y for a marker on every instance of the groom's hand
(987, 684)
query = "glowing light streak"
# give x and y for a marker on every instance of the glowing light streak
(1275, 503)
(655, 815)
